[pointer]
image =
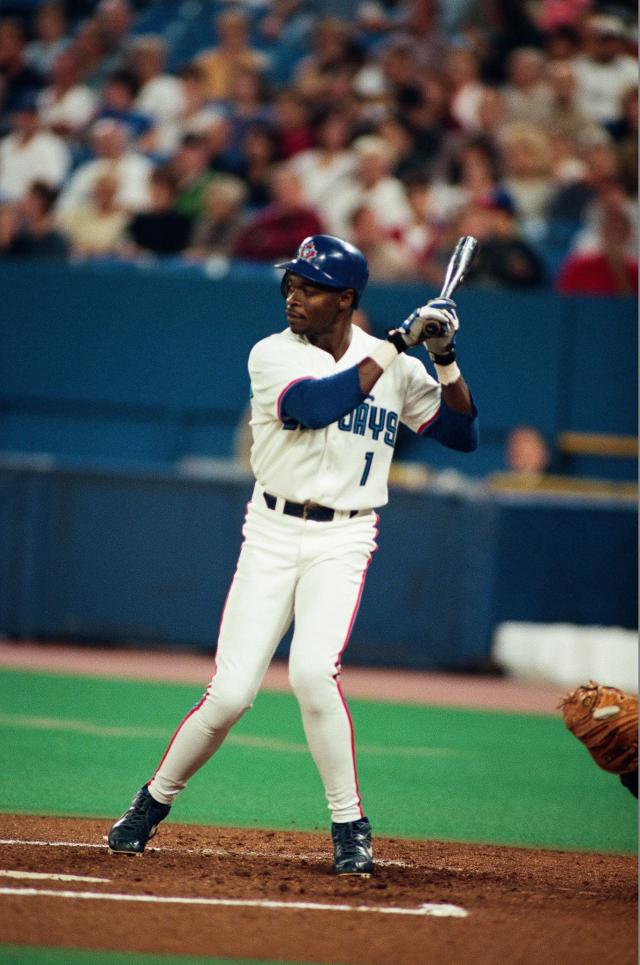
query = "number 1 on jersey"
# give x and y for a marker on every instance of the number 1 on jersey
(368, 459)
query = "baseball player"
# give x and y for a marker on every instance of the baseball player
(327, 400)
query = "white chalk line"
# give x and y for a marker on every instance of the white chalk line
(240, 740)
(204, 852)
(428, 908)
(41, 876)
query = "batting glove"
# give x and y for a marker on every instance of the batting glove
(435, 324)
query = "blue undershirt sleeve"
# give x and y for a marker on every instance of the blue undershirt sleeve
(316, 403)
(455, 430)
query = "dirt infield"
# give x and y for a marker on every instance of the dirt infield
(525, 906)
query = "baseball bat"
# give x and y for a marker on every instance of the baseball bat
(458, 266)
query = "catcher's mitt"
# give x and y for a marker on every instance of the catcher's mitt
(605, 719)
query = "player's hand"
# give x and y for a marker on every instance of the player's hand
(435, 324)
(441, 333)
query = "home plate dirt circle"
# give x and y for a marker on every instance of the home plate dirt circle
(270, 894)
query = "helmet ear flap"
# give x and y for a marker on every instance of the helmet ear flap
(283, 284)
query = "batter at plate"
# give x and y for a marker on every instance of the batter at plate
(327, 400)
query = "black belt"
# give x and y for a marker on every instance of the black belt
(319, 514)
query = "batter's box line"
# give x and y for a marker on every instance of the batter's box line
(433, 909)
(204, 852)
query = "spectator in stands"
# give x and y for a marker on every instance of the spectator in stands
(399, 78)
(408, 160)
(609, 264)
(389, 260)
(504, 259)
(119, 104)
(627, 142)
(114, 19)
(190, 167)
(112, 156)
(422, 235)
(490, 121)
(427, 116)
(552, 15)
(491, 113)
(334, 50)
(372, 186)
(217, 228)
(29, 154)
(566, 118)
(323, 169)
(527, 452)
(278, 228)
(291, 123)
(198, 113)
(50, 38)
(418, 23)
(66, 106)
(18, 78)
(474, 178)
(462, 74)
(502, 26)
(160, 95)
(604, 72)
(220, 64)
(89, 47)
(161, 230)
(570, 201)
(260, 152)
(33, 233)
(527, 158)
(562, 43)
(527, 94)
(96, 229)
(246, 107)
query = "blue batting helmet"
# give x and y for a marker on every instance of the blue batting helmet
(331, 262)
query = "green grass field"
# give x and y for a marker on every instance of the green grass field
(23, 955)
(82, 746)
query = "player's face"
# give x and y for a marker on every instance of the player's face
(311, 310)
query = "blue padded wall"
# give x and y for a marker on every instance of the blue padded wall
(114, 362)
(142, 557)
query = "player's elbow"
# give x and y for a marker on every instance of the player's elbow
(460, 445)
(459, 434)
(470, 444)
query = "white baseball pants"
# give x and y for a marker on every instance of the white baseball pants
(289, 568)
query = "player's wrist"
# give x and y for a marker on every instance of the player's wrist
(385, 354)
(448, 374)
(394, 337)
(443, 358)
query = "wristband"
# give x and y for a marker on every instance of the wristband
(443, 358)
(384, 355)
(448, 374)
(396, 339)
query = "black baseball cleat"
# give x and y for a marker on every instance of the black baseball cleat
(352, 851)
(130, 833)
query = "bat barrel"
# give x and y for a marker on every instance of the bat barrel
(459, 264)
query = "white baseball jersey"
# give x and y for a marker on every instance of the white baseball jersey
(346, 465)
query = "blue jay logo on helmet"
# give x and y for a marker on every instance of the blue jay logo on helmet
(308, 250)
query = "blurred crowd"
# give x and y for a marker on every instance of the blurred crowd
(397, 125)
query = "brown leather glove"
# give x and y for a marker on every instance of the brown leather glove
(605, 719)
